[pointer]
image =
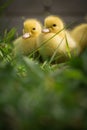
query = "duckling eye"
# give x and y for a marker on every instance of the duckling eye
(33, 28)
(54, 25)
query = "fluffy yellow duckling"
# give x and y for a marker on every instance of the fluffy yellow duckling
(28, 42)
(59, 44)
(79, 33)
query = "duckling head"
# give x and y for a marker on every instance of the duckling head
(32, 28)
(53, 24)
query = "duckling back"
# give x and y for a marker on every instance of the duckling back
(79, 33)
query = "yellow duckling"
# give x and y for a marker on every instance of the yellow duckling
(28, 42)
(79, 33)
(54, 39)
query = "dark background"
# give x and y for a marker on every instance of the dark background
(16, 11)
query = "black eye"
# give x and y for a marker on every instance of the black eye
(54, 25)
(33, 28)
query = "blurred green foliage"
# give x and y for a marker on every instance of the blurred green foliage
(41, 96)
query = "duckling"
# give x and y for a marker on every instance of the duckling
(28, 42)
(53, 39)
(79, 33)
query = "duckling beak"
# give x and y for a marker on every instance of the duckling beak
(26, 35)
(46, 30)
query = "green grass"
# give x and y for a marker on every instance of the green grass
(35, 95)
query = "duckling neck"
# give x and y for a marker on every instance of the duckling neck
(62, 33)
